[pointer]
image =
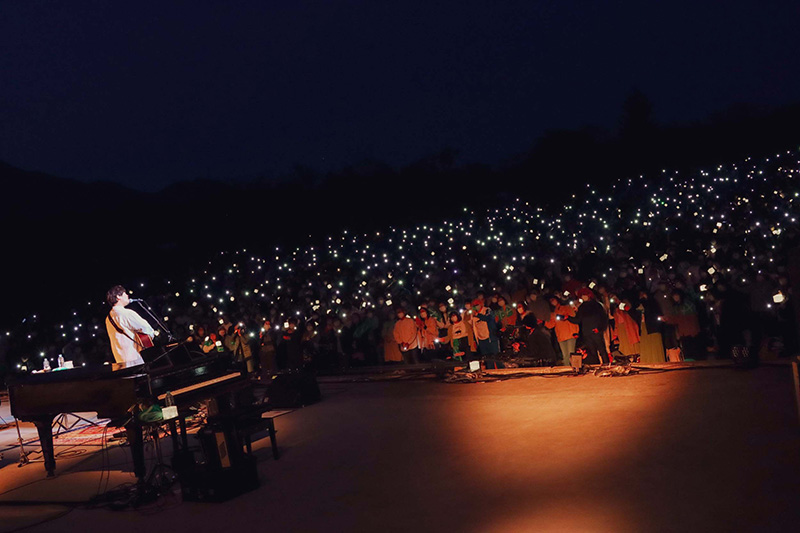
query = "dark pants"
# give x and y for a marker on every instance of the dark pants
(693, 348)
(595, 346)
(267, 361)
(411, 357)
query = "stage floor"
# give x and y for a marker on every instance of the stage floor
(691, 450)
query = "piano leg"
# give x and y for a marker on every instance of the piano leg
(45, 428)
(184, 438)
(173, 432)
(134, 432)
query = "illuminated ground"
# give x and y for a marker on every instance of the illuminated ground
(693, 450)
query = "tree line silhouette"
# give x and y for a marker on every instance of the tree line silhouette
(75, 239)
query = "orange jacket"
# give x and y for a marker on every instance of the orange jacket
(428, 332)
(405, 332)
(565, 329)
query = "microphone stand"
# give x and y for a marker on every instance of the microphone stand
(146, 308)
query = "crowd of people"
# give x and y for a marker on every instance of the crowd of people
(665, 268)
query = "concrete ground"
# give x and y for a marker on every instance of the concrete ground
(690, 450)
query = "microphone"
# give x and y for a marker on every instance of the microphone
(136, 300)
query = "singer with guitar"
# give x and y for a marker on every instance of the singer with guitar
(128, 332)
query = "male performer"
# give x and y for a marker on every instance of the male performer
(122, 326)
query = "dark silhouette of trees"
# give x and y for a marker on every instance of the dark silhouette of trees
(64, 235)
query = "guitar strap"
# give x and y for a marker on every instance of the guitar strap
(119, 329)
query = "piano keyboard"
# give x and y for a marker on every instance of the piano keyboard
(202, 384)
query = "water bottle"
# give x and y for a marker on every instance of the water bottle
(46, 364)
(168, 399)
(60, 361)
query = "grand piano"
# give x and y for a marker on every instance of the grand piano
(115, 393)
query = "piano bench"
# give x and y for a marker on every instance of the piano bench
(267, 424)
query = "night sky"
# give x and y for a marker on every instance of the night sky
(148, 93)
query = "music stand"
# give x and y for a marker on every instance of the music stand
(61, 423)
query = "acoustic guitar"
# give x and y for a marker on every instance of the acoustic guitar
(144, 340)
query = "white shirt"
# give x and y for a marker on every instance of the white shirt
(125, 350)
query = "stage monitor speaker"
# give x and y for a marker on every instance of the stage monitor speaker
(293, 389)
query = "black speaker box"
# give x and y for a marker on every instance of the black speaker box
(293, 389)
(204, 483)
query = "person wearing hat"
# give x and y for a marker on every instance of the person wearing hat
(592, 321)
(538, 344)
(406, 335)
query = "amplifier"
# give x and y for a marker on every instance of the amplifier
(293, 389)
(205, 483)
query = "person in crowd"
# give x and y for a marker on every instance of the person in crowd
(457, 336)
(626, 328)
(406, 335)
(329, 358)
(309, 342)
(266, 350)
(592, 321)
(735, 321)
(197, 338)
(364, 338)
(566, 332)
(442, 320)
(350, 322)
(484, 327)
(687, 325)
(391, 350)
(506, 317)
(290, 347)
(539, 306)
(537, 343)
(428, 331)
(213, 344)
(651, 345)
(238, 344)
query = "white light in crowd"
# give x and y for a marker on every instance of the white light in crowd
(778, 297)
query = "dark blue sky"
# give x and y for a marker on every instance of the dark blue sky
(146, 93)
